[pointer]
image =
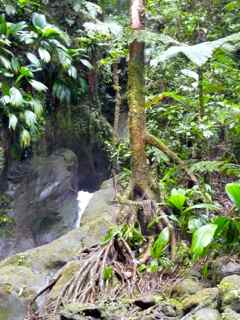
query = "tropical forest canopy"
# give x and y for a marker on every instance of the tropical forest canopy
(174, 67)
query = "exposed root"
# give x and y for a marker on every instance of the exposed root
(91, 280)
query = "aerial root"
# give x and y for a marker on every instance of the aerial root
(90, 280)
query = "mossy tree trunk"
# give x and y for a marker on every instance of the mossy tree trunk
(136, 101)
(139, 137)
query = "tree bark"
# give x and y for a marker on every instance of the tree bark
(136, 100)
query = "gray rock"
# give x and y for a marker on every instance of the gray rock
(229, 314)
(205, 314)
(205, 297)
(101, 204)
(230, 292)
(187, 287)
(44, 201)
(25, 274)
(223, 267)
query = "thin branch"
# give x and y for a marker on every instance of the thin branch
(154, 141)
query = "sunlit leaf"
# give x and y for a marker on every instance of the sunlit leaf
(33, 59)
(72, 71)
(25, 138)
(177, 198)
(16, 97)
(160, 243)
(5, 62)
(13, 120)
(86, 63)
(39, 86)
(233, 191)
(30, 118)
(39, 20)
(202, 237)
(199, 53)
(44, 55)
(37, 106)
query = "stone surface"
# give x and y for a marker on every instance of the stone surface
(223, 267)
(205, 314)
(100, 205)
(229, 314)
(25, 274)
(187, 287)
(230, 292)
(206, 297)
(43, 193)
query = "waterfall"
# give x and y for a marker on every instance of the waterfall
(83, 199)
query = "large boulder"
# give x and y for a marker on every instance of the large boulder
(25, 274)
(43, 201)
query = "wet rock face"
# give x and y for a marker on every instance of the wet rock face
(43, 193)
(27, 273)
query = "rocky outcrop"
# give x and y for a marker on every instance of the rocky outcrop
(42, 194)
(25, 274)
(222, 267)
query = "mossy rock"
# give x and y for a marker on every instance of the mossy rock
(206, 297)
(230, 314)
(186, 287)
(25, 274)
(230, 292)
(205, 314)
(66, 274)
(11, 307)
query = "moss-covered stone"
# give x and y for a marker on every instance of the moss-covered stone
(229, 314)
(187, 287)
(25, 274)
(205, 314)
(66, 274)
(230, 291)
(206, 297)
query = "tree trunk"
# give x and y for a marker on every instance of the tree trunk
(136, 101)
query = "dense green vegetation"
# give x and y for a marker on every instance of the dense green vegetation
(181, 176)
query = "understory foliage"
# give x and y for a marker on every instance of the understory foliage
(50, 62)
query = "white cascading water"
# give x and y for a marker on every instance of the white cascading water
(83, 199)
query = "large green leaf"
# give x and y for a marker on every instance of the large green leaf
(12, 121)
(16, 98)
(202, 237)
(233, 191)
(37, 85)
(160, 243)
(5, 62)
(33, 59)
(44, 55)
(177, 199)
(199, 53)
